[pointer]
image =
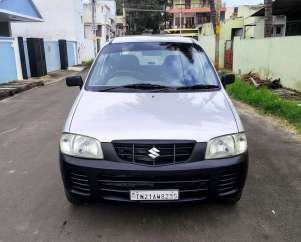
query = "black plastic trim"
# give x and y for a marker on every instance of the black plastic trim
(214, 169)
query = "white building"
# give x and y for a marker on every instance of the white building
(105, 21)
(120, 26)
(17, 11)
(254, 25)
(112, 6)
(62, 20)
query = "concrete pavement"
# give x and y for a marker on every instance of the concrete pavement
(14, 87)
(33, 206)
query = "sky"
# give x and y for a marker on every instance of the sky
(241, 2)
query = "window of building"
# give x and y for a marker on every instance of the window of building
(98, 30)
(278, 30)
(204, 3)
(235, 13)
(187, 4)
(202, 18)
(4, 29)
(87, 30)
(222, 16)
(190, 22)
(293, 27)
(178, 22)
(236, 32)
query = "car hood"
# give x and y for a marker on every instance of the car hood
(198, 116)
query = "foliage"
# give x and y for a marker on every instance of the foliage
(88, 63)
(266, 101)
(140, 21)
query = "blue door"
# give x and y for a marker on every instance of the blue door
(72, 53)
(8, 69)
(52, 55)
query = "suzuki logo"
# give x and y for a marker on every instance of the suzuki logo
(154, 153)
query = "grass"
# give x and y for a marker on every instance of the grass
(266, 101)
(88, 63)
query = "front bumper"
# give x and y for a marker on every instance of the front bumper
(196, 181)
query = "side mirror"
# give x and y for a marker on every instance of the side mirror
(74, 81)
(228, 79)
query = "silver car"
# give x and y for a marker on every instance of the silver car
(153, 123)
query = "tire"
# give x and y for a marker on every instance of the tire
(233, 200)
(75, 201)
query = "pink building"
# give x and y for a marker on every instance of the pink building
(193, 13)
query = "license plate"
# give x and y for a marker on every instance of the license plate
(162, 195)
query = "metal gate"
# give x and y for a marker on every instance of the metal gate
(72, 53)
(8, 69)
(36, 54)
(52, 54)
(228, 54)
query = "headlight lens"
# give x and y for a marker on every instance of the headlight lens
(226, 146)
(81, 146)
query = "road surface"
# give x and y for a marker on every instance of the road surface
(33, 206)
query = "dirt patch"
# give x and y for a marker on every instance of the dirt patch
(268, 120)
(288, 94)
(14, 87)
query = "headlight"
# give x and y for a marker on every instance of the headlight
(226, 146)
(81, 146)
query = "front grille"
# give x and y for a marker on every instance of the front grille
(118, 187)
(79, 183)
(165, 153)
(228, 183)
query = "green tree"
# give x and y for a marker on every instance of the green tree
(140, 17)
(119, 6)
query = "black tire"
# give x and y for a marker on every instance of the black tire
(233, 200)
(75, 201)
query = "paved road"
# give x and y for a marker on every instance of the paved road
(33, 207)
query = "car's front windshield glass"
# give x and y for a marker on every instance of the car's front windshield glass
(160, 65)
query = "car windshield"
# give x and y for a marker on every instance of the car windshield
(152, 66)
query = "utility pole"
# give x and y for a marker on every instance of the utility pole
(213, 14)
(124, 17)
(268, 21)
(123, 9)
(181, 18)
(165, 13)
(215, 7)
(93, 3)
(181, 9)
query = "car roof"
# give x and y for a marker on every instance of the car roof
(161, 38)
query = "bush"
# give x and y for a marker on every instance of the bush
(88, 63)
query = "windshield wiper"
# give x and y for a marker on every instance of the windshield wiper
(198, 87)
(141, 86)
(155, 87)
(145, 86)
